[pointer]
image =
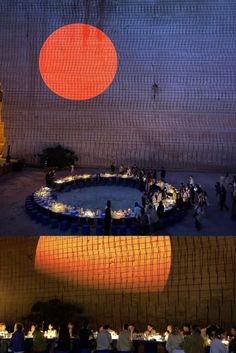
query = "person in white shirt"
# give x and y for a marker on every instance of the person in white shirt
(150, 332)
(124, 343)
(217, 346)
(104, 340)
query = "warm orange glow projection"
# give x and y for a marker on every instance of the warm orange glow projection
(78, 61)
(130, 263)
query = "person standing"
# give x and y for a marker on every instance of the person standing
(222, 197)
(197, 216)
(85, 339)
(107, 219)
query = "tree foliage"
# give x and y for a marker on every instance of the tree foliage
(55, 311)
(57, 157)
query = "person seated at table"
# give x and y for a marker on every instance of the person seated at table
(51, 332)
(194, 343)
(71, 328)
(186, 330)
(150, 332)
(124, 342)
(132, 329)
(63, 342)
(104, 340)
(39, 340)
(232, 343)
(211, 331)
(3, 330)
(112, 332)
(17, 341)
(169, 329)
(100, 328)
(112, 168)
(121, 169)
(217, 345)
(175, 340)
(31, 331)
(85, 338)
(129, 173)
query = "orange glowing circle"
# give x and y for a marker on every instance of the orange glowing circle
(127, 264)
(78, 61)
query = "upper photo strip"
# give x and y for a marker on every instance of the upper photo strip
(117, 117)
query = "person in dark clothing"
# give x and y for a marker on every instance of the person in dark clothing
(63, 339)
(232, 343)
(179, 201)
(222, 198)
(85, 339)
(163, 174)
(197, 217)
(107, 219)
(144, 199)
(192, 194)
(17, 342)
(141, 183)
(160, 210)
(112, 168)
(143, 223)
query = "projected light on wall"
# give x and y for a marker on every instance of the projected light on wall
(78, 62)
(127, 264)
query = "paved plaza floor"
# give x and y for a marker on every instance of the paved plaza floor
(16, 186)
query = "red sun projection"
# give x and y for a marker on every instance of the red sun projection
(126, 264)
(78, 62)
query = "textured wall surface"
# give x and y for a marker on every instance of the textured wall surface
(200, 287)
(186, 46)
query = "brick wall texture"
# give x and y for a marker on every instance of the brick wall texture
(200, 287)
(186, 46)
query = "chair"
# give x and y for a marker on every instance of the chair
(133, 229)
(85, 229)
(114, 229)
(54, 223)
(45, 220)
(64, 225)
(122, 230)
(38, 217)
(99, 229)
(33, 213)
(74, 228)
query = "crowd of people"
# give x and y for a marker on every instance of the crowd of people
(189, 339)
(188, 195)
(149, 211)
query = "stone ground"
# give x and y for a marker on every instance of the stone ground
(16, 186)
